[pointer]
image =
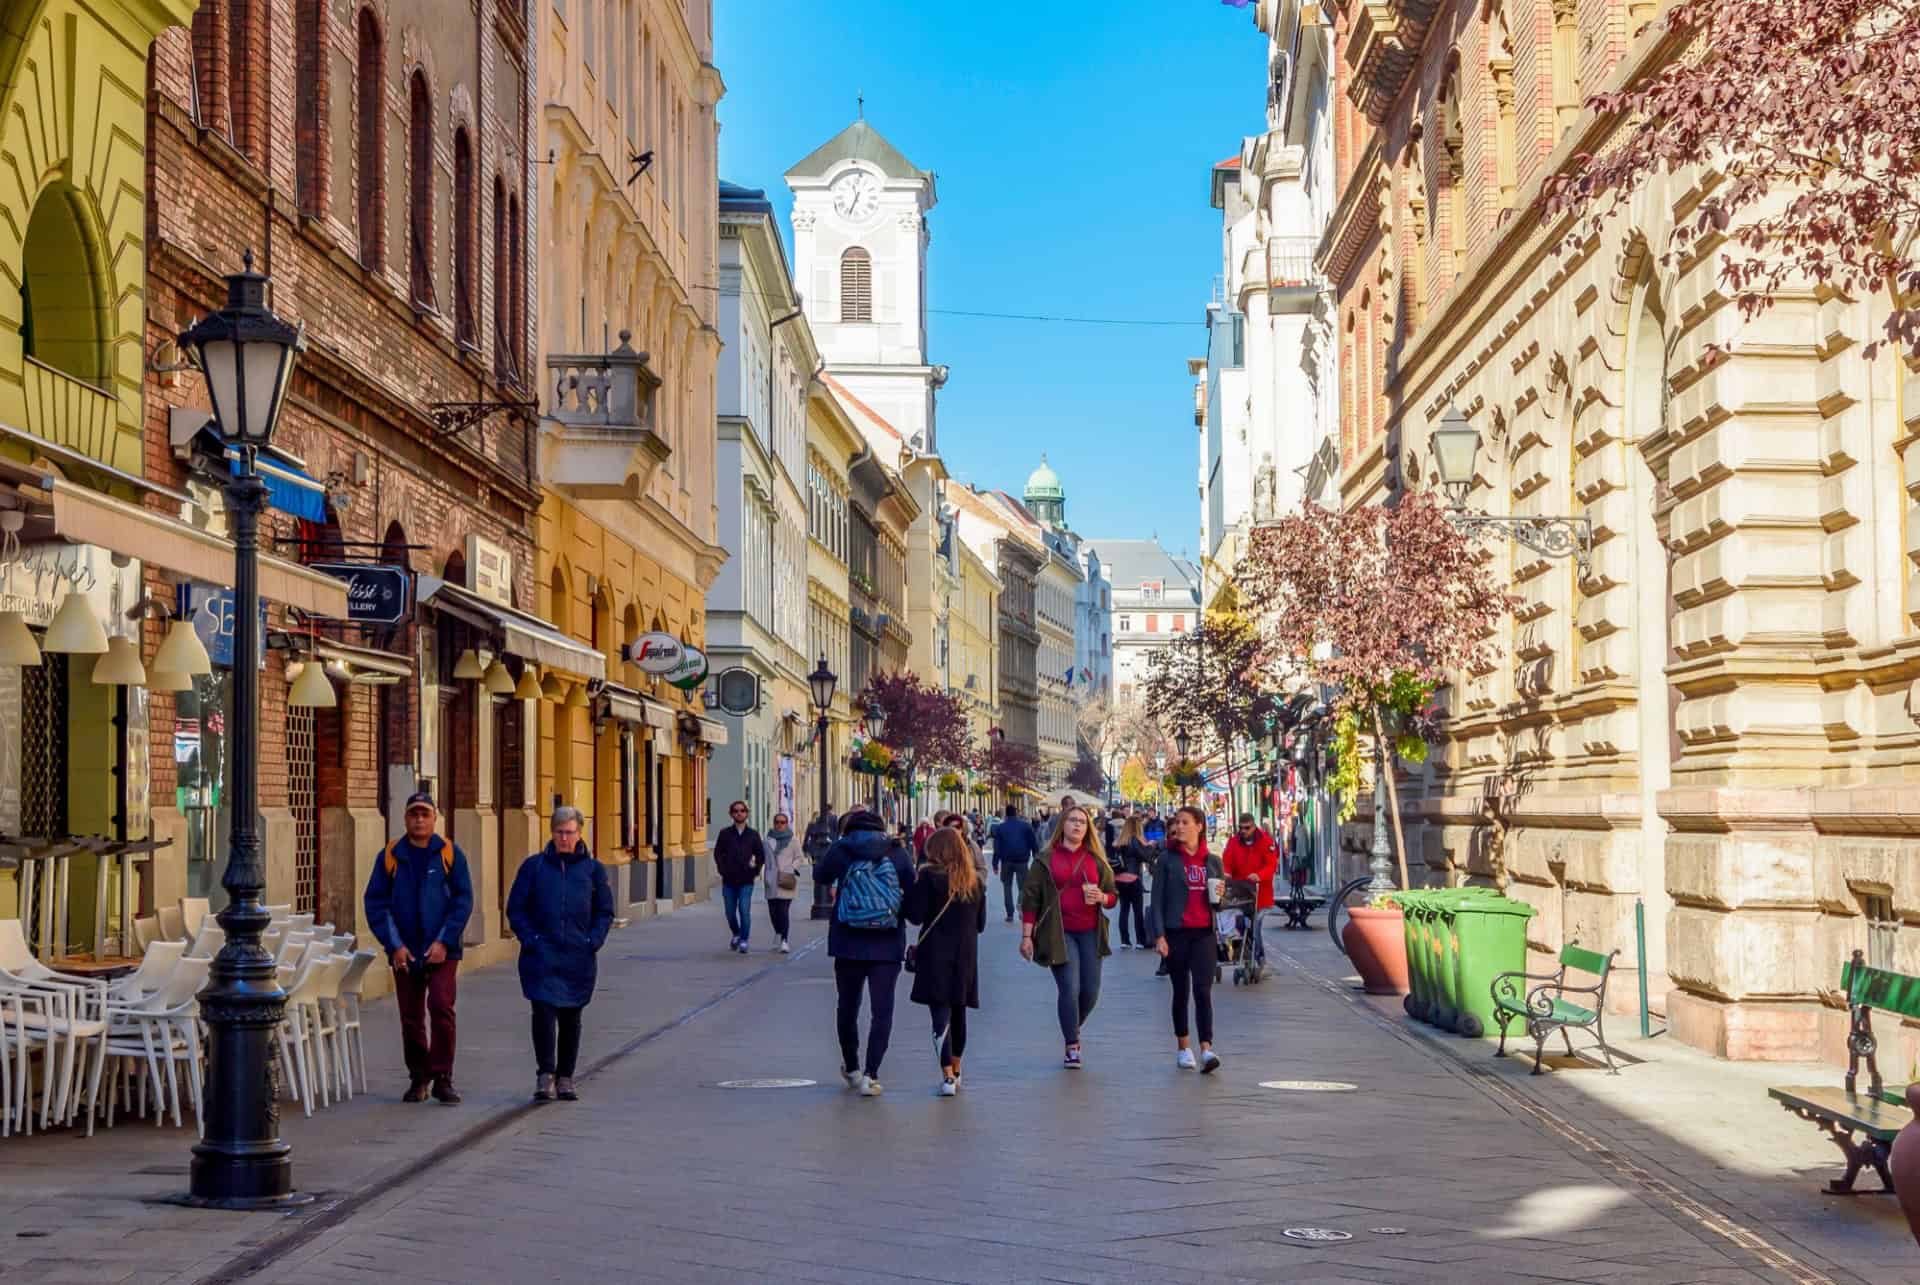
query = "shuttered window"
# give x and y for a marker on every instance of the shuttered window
(856, 285)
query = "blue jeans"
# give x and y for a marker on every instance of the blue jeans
(1077, 982)
(739, 903)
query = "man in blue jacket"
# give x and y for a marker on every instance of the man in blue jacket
(417, 905)
(1014, 844)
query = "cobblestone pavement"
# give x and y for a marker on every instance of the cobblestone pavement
(1129, 1170)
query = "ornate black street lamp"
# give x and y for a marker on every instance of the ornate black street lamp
(819, 835)
(246, 353)
(876, 720)
(1181, 743)
(1456, 450)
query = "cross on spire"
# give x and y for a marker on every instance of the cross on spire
(860, 103)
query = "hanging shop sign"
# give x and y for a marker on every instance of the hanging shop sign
(37, 581)
(213, 612)
(489, 570)
(690, 672)
(377, 593)
(737, 690)
(657, 653)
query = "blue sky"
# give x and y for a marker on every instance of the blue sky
(1073, 143)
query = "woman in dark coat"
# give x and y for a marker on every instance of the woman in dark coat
(560, 908)
(949, 900)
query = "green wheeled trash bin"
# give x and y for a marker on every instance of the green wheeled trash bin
(1492, 936)
(1413, 908)
(1446, 949)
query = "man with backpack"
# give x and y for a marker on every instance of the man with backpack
(866, 938)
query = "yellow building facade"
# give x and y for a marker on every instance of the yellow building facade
(626, 528)
(973, 662)
(833, 443)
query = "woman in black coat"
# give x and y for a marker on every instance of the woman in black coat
(949, 900)
(1133, 858)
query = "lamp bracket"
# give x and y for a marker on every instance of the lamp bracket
(1553, 537)
(450, 418)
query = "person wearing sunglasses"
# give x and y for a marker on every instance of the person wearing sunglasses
(740, 855)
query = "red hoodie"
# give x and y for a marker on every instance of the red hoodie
(1256, 861)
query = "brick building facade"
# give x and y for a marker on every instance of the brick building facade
(375, 159)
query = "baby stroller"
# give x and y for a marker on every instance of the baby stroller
(1237, 924)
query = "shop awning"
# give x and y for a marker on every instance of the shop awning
(368, 659)
(630, 706)
(86, 516)
(712, 731)
(520, 634)
(289, 488)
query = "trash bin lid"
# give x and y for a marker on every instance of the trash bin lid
(1497, 906)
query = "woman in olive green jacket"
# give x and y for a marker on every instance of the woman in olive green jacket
(1063, 907)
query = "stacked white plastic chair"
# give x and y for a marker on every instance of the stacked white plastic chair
(162, 1031)
(66, 1016)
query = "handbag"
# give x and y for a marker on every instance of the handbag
(912, 961)
(786, 881)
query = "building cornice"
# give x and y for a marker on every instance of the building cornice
(1355, 220)
(1384, 39)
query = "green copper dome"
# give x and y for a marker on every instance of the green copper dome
(1044, 484)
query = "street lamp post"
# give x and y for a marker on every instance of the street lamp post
(1159, 776)
(1380, 858)
(246, 353)
(1181, 743)
(1456, 450)
(876, 717)
(822, 681)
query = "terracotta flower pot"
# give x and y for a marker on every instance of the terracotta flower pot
(1905, 1164)
(1376, 942)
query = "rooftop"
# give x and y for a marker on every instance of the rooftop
(858, 142)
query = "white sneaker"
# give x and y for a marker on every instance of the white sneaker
(855, 1080)
(733, 943)
(871, 1087)
(949, 1088)
(1209, 1062)
(784, 948)
(1185, 1061)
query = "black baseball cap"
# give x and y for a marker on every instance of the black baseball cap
(421, 799)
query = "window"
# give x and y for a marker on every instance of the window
(516, 291)
(463, 325)
(371, 151)
(311, 88)
(1883, 928)
(1153, 623)
(64, 315)
(1179, 624)
(1126, 624)
(502, 321)
(420, 191)
(856, 285)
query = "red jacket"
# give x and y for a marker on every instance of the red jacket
(1256, 861)
(920, 836)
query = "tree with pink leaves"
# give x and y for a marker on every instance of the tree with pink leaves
(926, 727)
(1381, 604)
(1801, 121)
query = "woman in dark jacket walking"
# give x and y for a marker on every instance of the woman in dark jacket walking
(560, 908)
(1132, 857)
(1186, 887)
(866, 952)
(949, 900)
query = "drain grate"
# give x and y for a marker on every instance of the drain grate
(771, 1083)
(1316, 1233)
(1309, 1086)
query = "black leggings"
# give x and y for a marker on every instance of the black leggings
(780, 911)
(879, 978)
(952, 1020)
(1190, 962)
(545, 1018)
(1133, 900)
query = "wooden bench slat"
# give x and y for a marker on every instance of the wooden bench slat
(1585, 960)
(1879, 988)
(1871, 1116)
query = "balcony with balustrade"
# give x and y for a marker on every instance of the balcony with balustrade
(600, 438)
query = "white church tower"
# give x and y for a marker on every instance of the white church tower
(860, 259)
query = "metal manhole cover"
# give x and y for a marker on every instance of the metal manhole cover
(1316, 1233)
(773, 1083)
(1388, 1231)
(1310, 1086)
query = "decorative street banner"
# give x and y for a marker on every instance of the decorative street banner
(785, 792)
(376, 593)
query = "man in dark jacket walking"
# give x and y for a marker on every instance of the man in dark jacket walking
(865, 956)
(1014, 843)
(417, 904)
(740, 855)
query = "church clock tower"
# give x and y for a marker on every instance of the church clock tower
(860, 259)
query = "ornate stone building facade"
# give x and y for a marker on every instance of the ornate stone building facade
(1714, 722)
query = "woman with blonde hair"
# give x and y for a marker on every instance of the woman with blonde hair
(949, 900)
(1132, 857)
(1063, 907)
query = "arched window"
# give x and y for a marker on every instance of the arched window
(463, 327)
(371, 152)
(517, 289)
(63, 313)
(502, 323)
(856, 285)
(420, 191)
(311, 107)
(1452, 206)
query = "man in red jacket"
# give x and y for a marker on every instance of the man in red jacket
(1252, 854)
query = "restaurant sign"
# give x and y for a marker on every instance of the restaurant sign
(377, 594)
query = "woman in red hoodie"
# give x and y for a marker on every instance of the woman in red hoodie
(1185, 889)
(1063, 907)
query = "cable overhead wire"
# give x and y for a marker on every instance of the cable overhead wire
(1004, 316)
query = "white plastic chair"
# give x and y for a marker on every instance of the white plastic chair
(279, 912)
(155, 967)
(323, 1028)
(296, 1027)
(69, 1014)
(195, 911)
(291, 946)
(208, 942)
(159, 1030)
(343, 943)
(348, 1021)
(146, 932)
(23, 1026)
(300, 923)
(173, 924)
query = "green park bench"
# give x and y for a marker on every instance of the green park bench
(1878, 1115)
(1546, 1008)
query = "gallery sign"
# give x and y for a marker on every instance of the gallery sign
(377, 594)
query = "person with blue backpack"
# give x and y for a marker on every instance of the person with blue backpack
(866, 938)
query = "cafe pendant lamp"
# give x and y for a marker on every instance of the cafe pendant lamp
(121, 666)
(576, 697)
(497, 680)
(312, 689)
(182, 652)
(17, 646)
(468, 666)
(164, 680)
(528, 688)
(75, 629)
(553, 687)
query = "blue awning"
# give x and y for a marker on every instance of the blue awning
(289, 489)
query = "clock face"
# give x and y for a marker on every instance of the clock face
(856, 194)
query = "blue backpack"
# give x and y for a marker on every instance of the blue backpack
(870, 894)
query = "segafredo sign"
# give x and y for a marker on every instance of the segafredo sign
(691, 671)
(657, 653)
